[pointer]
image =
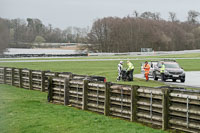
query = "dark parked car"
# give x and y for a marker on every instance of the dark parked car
(172, 71)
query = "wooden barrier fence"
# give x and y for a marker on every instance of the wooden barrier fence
(165, 107)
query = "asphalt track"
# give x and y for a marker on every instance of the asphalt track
(57, 60)
(192, 80)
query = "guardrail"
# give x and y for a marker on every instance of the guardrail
(165, 107)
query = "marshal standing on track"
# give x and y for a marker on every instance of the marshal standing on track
(146, 69)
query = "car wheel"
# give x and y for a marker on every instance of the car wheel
(182, 80)
(174, 80)
(154, 76)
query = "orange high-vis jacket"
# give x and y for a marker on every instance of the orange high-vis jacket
(146, 68)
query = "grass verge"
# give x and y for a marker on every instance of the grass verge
(25, 111)
(101, 68)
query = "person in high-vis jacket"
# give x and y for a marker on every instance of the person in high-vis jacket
(120, 67)
(146, 69)
(130, 70)
(162, 71)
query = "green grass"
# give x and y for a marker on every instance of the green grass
(101, 68)
(25, 111)
(28, 111)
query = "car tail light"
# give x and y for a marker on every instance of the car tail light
(104, 80)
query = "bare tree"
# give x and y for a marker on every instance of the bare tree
(172, 16)
(135, 14)
(150, 15)
(193, 16)
(4, 35)
(128, 34)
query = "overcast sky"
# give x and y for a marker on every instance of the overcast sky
(82, 13)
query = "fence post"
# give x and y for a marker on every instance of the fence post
(50, 89)
(4, 75)
(134, 102)
(30, 80)
(66, 90)
(20, 78)
(165, 108)
(85, 94)
(42, 81)
(107, 99)
(12, 76)
(56, 74)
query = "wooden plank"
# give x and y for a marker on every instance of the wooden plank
(76, 102)
(37, 72)
(85, 94)
(120, 115)
(38, 87)
(36, 80)
(156, 104)
(75, 93)
(117, 86)
(180, 128)
(25, 70)
(58, 98)
(184, 100)
(96, 106)
(146, 108)
(175, 121)
(79, 82)
(118, 91)
(95, 110)
(100, 85)
(182, 108)
(96, 88)
(58, 79)
(147, 116)
(107, 99)
(119, 110)
(95, 95)
(183, 115)
(144, 120)
(148, 95)
(119, 103)
(152, 90)
(195, 96)
(92, 99)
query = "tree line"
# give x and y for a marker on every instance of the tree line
(109, 34)
(22, 33)
(146, 30)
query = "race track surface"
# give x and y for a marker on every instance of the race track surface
(192, 80)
